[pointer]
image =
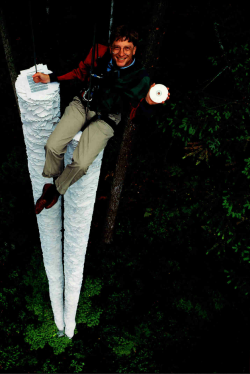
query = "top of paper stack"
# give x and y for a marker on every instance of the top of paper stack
(28, 89)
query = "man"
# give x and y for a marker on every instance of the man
(120, 83)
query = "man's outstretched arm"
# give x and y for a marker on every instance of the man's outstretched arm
(80, 73)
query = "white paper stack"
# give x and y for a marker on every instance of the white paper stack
(40, 113)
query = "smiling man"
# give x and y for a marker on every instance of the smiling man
(119, 85)
(123, 52)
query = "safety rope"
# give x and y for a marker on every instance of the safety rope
(228, 62)
(214, 78)
(92, 62)
(32, 32)
(224, 55)
(92, 67)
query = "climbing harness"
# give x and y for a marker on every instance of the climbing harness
(86, 98)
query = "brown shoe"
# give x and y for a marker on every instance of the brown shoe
(40, 204)
(54, 200)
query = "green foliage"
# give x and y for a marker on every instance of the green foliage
(216, 132)
(9, 357)
(164, 221)
(141, 363)
(187, 306)
(48, 367)
(86, 312)
(45, 331)
(122, 345)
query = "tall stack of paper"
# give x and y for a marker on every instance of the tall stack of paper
(40, 113)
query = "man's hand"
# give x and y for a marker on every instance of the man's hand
(151, 102)
(41, 78)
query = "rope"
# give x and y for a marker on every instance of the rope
(92, 66)
(228, 62)
(32, 32)
(214, 78)
(224, 55)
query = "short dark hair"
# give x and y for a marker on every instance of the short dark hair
(122, 31)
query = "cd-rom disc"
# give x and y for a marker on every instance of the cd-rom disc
(158, 93)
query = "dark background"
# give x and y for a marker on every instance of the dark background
(61, 42)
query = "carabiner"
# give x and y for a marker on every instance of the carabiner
(84, 96)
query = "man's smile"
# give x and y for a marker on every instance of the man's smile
(121, 59)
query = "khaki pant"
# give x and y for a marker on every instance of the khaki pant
(93, 140)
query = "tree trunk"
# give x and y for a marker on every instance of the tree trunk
(155, 38)
(8, 55)
(118, 181)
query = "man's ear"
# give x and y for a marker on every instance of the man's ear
(134, 50)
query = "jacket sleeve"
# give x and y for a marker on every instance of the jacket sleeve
(142, 108)
(82, 71)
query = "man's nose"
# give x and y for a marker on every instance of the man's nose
(122, 52)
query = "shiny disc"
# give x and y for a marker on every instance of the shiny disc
(158, 93)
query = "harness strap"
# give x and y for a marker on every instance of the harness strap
(104, 117)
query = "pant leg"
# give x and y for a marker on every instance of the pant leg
(93, 140)
(70, 124)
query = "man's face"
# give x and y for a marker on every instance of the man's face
(122, 52)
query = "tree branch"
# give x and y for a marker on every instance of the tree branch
(8, 55)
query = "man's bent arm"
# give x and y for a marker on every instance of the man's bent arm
(82, 71)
